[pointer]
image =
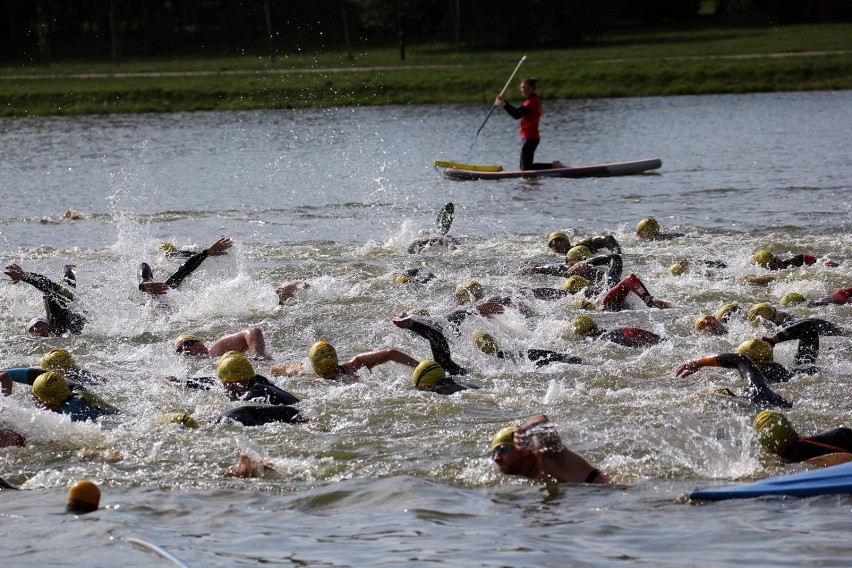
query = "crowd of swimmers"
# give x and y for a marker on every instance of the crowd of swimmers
(593, 279)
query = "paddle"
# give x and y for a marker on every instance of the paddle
(445, 218)
(493, 106)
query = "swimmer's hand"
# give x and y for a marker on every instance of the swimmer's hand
(403, 320)
(16, 273)
(288, 290)
(689, 368)
(286, 369)
(220, 247)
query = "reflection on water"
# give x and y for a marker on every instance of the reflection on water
(335, 197)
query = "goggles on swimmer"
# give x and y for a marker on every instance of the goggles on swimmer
(501, 450)
(186, 343)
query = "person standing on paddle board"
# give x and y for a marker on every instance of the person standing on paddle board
(777, 435)
(530, 115)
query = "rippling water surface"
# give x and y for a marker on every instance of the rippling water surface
(385, 475)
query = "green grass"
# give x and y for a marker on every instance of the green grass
(631, 62)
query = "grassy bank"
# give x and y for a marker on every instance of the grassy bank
(646, 62)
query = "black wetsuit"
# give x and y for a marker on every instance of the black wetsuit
(62, 318)
(630, 336)
(74, 377)
(449, 386)
(807, 331)
(422, 244)
(597, 278)
(837, 440)
(258, 415)
(756, 389)
(842, 296)
(260, 389)
(176, 279)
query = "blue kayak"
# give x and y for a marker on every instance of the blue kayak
(825, 481)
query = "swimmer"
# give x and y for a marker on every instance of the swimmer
(419, 275)
(649, 229)
(769, 261)
(765, 312)
(53, 393)
(534, 450)
(62, 315)
(11, 438)
(444, 222)
(260, 415)
(250, 466)
(842, 296)
(146, 275)
(581, 273)
(584, 326)
(486, 343)
(288, 290)
(777, 436)
(249, 341)
(324, 362)
(56, 360)
(240, 381)
(430, 376)
(710, 324)
(756, 388)
(614, 300)
(83, 497)
(470, 297)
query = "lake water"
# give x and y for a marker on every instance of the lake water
(385, 475)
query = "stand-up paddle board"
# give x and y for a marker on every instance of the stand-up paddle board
(597, 170)
(467, 167)
(825, 481)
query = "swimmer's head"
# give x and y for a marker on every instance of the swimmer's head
(190, 345)
(577, 254)
(723, 314)
(39, 326)
(584, 326)
(323, 358)
(574, 283)
(58, 360)
(401, 279)
(792, 299)
(558, 242)
(584, 304)
(762, 310)
(427, 374)
(470, 291)
(168, 248)
(647, 228)
(678, 268)
(180, 418)
(418, 312)
(722, 391)
(51, 388)
(757, 350)
(234, 367)
(774, 429)
(83, 497)
(485, 342)
(763, 258)
(710, 324)
(505, 437)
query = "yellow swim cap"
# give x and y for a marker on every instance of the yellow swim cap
(703, 321)
(647, 227)
(186, 337)
(427, 374)
(584, 326)
(584, 304)
(676, 269)
(323, 358)
(773, 429)
(417, 312)
(792, 299)
(83, 497)
(763, 258)
(577, 253)
(723, 314)
(505, 437)
(51, 388)
(58, 360)
(757, 350)
(472, 289)
(168, 248)
(722, 391)
(234, 367)
(401, 279)
(558, 235)
(762, 310)
(485, 342)
(574, 283)
(181, 418)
